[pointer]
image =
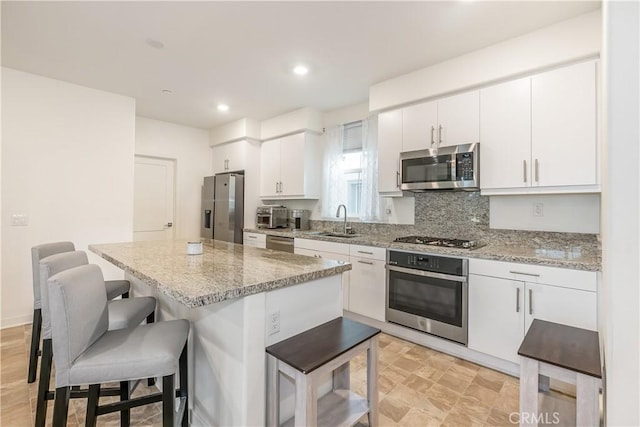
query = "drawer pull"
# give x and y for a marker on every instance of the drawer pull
(365, 262)
(524, 274)
(364, 252)
(252, 237)
(517, 300)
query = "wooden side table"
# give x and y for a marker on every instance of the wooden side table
(310, 356)
(568, 354)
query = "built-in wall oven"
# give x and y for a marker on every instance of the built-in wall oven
(428, 293)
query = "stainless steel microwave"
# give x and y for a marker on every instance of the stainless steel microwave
(447, 168)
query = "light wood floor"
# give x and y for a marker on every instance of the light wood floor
(418, 387)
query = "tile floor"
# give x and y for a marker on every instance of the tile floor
(417, 386)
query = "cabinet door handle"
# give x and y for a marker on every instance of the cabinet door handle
(531, 301)
(281, 186)
(226, 165)
(398, 179)
(276, 186)
(251, 237)
(517, 300)
(365, 262)
(537, 170)
(363, 252)
(524, 170)
(524, 274)
(433, 129)
(439, 135)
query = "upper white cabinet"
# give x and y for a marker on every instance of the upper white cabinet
(563, 126)
(458, 119)
(290, 167)
(505, 135)
(538, 134)
(230, 156)
(448, 121)
(389, 147)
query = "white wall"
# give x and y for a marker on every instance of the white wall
(190, 149)
(621, 213)
(569, 213)
(566, 41)
(68, 165)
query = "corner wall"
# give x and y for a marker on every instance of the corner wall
(190, 148)
(67, 164)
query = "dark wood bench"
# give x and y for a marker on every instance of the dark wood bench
(308, 358)
(568, 354)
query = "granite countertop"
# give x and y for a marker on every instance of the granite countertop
(223, 271)
(568, 254)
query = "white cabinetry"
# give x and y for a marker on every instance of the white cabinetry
(448, 121)
(255, 240)
(389, 147)
(327, 250)
(538, 134)
(368, 281)
(230, 156)
(290, 167)
(504, 298)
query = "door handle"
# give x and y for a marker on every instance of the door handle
(524, 170)
(276, 186)
(517, 300)
(432, 131)
(365, 262)
(537, 170)
(397, 179)
(169, 225)
(439, 135)
(531, 301)
(281, 186)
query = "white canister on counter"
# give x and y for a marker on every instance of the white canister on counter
(194, 248)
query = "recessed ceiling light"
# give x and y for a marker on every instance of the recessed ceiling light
(156, 44)
(167, 91)
(223, 107)
(300, 70)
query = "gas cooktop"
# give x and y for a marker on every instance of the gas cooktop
(438, 241)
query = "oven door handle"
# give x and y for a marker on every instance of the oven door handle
(415, 272)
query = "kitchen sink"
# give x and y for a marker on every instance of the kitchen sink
(334, 234)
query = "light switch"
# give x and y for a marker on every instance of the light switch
(19, 220)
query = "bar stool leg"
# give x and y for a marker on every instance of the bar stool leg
(92, 405)
(184, 385)
(36, 329)
(43, 383)
(372, 381)
(125, 414)
(273, 392)
(529, 370)
(306, 413)
(168, 400)
(61, 407)
(587, 400)
(150, 319)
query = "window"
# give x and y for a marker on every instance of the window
(350, 170)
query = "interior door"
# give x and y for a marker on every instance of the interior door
(153, 206)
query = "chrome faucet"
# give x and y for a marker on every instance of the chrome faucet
(344, 229)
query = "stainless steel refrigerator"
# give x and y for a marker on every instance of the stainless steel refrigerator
(223, 207)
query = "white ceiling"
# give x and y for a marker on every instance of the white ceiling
(242, 53)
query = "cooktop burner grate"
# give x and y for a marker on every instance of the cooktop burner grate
(438, 241)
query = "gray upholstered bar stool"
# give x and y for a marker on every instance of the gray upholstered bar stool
(122, 314)
(85, 352)
(114, 288)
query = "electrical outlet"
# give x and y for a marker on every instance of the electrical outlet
(19, 220)
(274, 322)
(538, 209)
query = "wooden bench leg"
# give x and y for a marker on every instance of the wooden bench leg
(372, 381)
(529, 370)
(341, 377)
(273, 392)
(306, 414)
(587, 400)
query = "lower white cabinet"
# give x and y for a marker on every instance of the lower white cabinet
(501, 309)
(255, 240)
(310, 247)
(367, 287)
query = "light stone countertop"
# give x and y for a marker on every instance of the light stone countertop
(223, 271)
(571, 254)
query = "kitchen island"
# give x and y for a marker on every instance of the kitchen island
(239, 300)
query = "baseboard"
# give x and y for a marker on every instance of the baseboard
(16, 321)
